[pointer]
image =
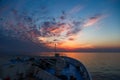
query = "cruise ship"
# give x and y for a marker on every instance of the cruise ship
(55, 67)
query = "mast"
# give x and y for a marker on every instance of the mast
(55, 47)
(55, 44)
(55, 41)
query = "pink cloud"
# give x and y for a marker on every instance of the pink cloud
(93, 20)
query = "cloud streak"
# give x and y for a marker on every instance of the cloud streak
(75, 9)
(93, 20)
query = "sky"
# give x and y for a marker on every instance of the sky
(71, 25)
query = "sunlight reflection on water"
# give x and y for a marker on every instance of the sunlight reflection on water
(102, 66)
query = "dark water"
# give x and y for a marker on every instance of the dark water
(102, 66)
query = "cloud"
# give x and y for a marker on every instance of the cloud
(59, 30)
(15, 46)
(71, 39)
(93, 20)
(45, 30)
(75, 9)
(23, 27)
(71, 45)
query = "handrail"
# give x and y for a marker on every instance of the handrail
(75, 62)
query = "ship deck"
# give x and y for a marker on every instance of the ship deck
(45, 68)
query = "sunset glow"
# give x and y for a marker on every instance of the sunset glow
(74, 25)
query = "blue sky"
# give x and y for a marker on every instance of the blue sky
(81, 23)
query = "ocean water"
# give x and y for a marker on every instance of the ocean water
(102, 66)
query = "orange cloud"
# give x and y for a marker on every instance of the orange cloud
(60, 29)
(43, 39)
(71, 45)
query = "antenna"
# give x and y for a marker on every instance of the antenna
(56, 54)
(55, 47)
(55, 40)
(54, 44)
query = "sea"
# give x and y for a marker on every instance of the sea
(101, 66)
